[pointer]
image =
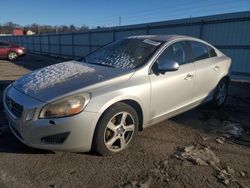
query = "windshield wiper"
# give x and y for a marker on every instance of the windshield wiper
(100, 64)
(83, 59)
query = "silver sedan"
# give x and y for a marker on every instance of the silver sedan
(101, 101)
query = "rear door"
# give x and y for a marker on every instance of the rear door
(173, 90)
(207, 69)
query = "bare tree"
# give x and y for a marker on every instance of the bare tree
(8, 27)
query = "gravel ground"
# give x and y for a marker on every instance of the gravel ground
(203, 147)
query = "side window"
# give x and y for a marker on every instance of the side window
(199, 51)
(176, 52)
(3, 44)
(212, 52)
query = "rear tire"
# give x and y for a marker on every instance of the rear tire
(220, 94)
(12, 56)
(116, 129)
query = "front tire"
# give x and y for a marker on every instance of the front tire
(12, 56)
(220, 94)
(116, 129)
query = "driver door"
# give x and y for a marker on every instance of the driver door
(173, 90)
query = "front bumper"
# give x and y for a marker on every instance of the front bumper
(79, 128)
(22, 55)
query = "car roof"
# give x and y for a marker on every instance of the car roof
(162, 38)
(168, 38)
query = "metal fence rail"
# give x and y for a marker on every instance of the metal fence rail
(229, 32)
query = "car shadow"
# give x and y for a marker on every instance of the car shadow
(230, 121)
(8, 142)
(4, 84)
(204, 118)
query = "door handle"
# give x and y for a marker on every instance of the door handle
(189, 77)
(216, 67)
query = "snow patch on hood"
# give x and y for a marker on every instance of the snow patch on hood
(52, 75)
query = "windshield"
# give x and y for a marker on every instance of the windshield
(124, 54)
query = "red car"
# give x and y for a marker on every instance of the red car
(11, 51)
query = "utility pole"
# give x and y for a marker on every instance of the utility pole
(120, 20)
(38, 29)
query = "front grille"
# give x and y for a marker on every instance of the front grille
(55, 139)
(14, 107)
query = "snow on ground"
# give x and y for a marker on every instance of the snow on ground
(51, 75)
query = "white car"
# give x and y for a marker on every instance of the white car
(101, 101)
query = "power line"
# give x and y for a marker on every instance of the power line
(114, 17)
(150, 10)
(143, 21)
(187, 8)
(136, 15)
(152, 16)
(176, 15)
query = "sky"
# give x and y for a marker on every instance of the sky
(107, 12)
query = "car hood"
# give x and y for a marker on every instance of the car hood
(60, 79)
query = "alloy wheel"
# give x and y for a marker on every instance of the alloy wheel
(119, 131)
(222, 92)
(12, 55)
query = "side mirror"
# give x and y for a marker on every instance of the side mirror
(168, 65)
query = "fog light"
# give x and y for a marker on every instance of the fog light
(30, 115)
(55, 139)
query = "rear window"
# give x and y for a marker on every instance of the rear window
(199, 50)
(212, 52)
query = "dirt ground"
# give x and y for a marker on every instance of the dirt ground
(203, 147)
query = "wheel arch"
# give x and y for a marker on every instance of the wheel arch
(227, 78)
(131, 102)
(12, 51)
(214, 101)
(134, 104)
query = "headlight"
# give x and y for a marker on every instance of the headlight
(67, 106)
(20, 51)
